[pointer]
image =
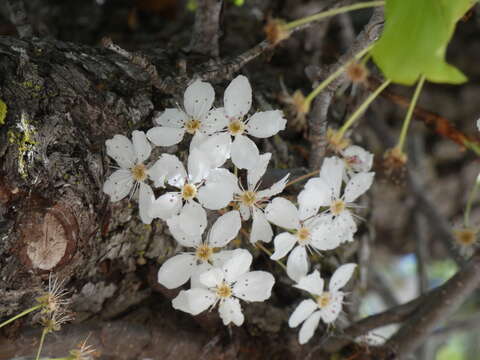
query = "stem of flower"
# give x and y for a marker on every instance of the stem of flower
(303, 177)
(471, 198)
(408, 118)
(362, 108)
(40, 346)
(260, 246)
(309, 98)
(28, 311)
(332, 12)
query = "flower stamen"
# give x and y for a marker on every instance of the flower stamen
(236, 127)
(139, 172)
(324, 300)
(189, 191)
(204, 253)
(337, 207)
(192, 125)
(223, 291)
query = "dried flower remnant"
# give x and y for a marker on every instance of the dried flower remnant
(54, 299)
(357, 72)
(465, 239)
(276, 31)
(336, 142)
(394, 163)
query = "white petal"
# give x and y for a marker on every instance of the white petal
(194, 301)
(341, 276)
(199, 165)
(330, 312)
(312, 283)
(166, 206)
(284, 242)
(193, 218)
(275, 189)
(177, 270)
(198, 99)
(165, 136)
(261, 229)
(237, 265)
(216, 147)
(215, 121)
(168, 169)
(315, 194)
(357, 185)
(244, 212)
(358, 159)
(218, 189)
(303, 311)
(244, 152)
(345, 224)
(326, 236)
(145, 201)
(255, 173)
(283, 213)
(225, 229)
(238, 97)
(231, 311)
(118, 185)
(120, 148)
(212, 277)
(332, 172)
(254, 286)
(266, 123)
(308, 328)
(173, 118)
(199, 270)
(181, 236)
(220, 258)
(141, 146)
(297, 263)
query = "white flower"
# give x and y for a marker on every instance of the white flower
(197, 117)
(357, 160)
(328, 304)
(226, 285)
(177, 270)
(132, 173)
(212, 187)
(308, 233)
(251, 200)
(237, 103)
(478, 124)
(324, 191)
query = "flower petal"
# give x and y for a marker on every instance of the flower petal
(177, 270)
(284, 242)
(165, 136)
(231, 311)
(212, 278)
(261, 229)
(181, 236)
(297, 263)
(244, 152)
(166, 206)
(341, 276)
(330, 312)
(145, 201)
(275, 189)
(238, 97)
(172, 118)
(225, 229)
(194, 301)
(255, 173)
(215, 121)
(168, 169)
(198, 99)
(332, 172)
(357, 185)
(237, 265)
(283, 213)
(326, 236)
(308, 328)
(244, 212)
(312, 283)
(193, 218)
(302, 312)
(199, 270)
(254, 286)
(216, 147)
(266, 123)
(199, 165)
(141, 146)
(120, 148)
(357, 158)
(218, 189)
(315, 194)
(118, 185)
(345, 226)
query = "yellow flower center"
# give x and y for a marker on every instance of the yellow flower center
(303, 236)
(324, 299)
(189, 191)
(204, 252)
(248, 198)
(139, 172)
(224, 291)
(236, 127)
(192, 125)
(337, 207)
(465, 237)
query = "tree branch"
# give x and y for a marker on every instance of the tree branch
(19, 18)
(206, 30)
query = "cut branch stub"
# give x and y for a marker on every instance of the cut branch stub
(47, 235)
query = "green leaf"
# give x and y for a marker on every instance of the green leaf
(415, 39)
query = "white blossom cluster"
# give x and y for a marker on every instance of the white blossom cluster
(320, 220)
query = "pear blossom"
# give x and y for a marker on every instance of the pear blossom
(133, 173)
(237, 103)
(311, 233)
(212, 187)
(198, 117)
(357, 160)
(325, 191)
(251, 200)
(226, 285)
(327, 305)
(177, 270)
